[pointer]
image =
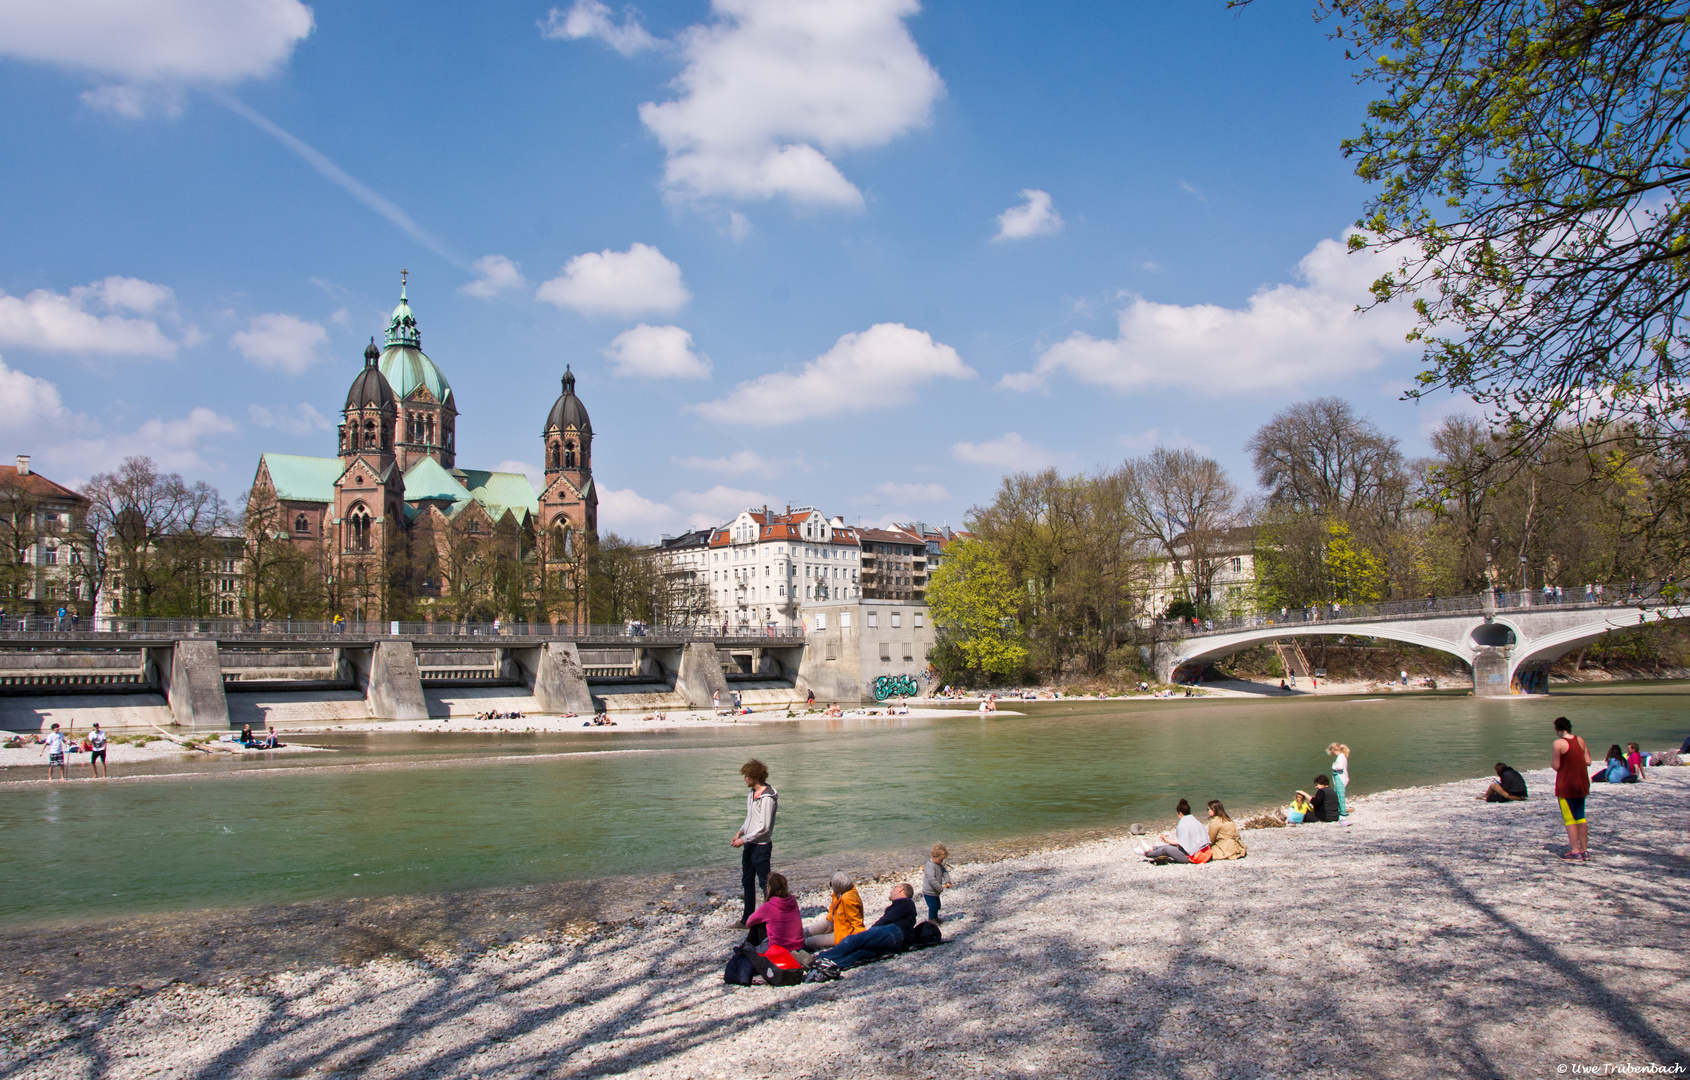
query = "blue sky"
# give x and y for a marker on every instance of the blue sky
(861, 254)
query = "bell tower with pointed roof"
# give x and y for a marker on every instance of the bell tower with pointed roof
(368, 517)
(569, 505)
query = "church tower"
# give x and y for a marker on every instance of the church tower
(369, 506)
(428, 410)
(569, 505)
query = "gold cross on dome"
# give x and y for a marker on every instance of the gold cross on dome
(402, 275)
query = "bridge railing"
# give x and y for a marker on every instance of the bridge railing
(1626, 595)
(122, 628)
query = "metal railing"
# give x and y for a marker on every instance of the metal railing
(1628, 595)
(123, 628)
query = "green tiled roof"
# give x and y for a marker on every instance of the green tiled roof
(428, 480)
(501, 491)
(407, 368)
(304, 479)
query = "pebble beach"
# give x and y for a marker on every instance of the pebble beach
(1434, 933)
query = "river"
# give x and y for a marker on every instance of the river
(424, 813)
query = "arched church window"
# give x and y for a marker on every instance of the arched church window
(359, 525)
(369, 433)
(301, 524)
(554, 457)
(569, 455)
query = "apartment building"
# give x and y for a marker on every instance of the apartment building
(1218, 574)
(894, 565)
(45, 522)
(763, 565)
(684, 562)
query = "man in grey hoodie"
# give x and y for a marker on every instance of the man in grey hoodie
(755, 838)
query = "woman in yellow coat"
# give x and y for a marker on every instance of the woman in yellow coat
(844, 916)
(1224, 841)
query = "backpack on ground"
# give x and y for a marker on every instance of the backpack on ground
(740, 969)
(778, 967)
(926, 933)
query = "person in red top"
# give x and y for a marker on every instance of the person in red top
(1571, 760)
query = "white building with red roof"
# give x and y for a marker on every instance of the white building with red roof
(765, 565)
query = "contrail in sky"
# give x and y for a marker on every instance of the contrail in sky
(331, 171)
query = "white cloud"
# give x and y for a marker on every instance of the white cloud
(593, 19)
(302, 419)
(1191, 189)
(607, 282)
(26, 401)
(1288, 337)
(151, 50)
(772, 87)
(56, 322)
(175, 445)
(1034, 217)
(747, 462)
(536, 475)
(628, 512)
(877, 367)
(282, 342)
(909, 494)
(498, 274)
(657, 352)
(713, 507)
(1008, 451)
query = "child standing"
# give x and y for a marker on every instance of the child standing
(935, 879)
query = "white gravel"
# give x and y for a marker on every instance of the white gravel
(1435, 936)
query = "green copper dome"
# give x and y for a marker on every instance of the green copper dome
(403, 362)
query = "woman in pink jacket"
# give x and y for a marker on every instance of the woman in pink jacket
(779, 915)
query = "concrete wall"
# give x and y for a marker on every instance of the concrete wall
(853, 642)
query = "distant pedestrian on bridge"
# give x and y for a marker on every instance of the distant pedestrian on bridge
(1570, 758)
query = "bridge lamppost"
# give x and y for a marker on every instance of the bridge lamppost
(1524, 595)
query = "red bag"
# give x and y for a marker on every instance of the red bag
(781, 958)
(1203, 856)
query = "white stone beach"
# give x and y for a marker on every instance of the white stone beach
(1436, 934)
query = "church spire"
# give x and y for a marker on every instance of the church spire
(402, 327)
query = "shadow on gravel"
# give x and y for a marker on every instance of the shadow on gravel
(1319, 955)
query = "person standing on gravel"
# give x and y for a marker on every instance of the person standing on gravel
(1340, 774)
(54, 747)
(755, 838)
(1570, 758)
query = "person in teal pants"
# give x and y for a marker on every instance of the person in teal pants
(1340, 774)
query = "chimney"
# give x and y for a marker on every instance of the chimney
(23, 464)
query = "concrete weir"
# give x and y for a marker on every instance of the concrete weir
(212, 682)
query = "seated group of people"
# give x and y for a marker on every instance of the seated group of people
(1323, 805)
(601, 720)
(492, 714)
(831, 943)
(266, 741)
(1192, 842)
(1621, 767)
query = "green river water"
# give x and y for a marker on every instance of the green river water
(516, 809)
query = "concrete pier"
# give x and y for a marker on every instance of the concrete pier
(388, 675)
(700, 675)
(553, 674)
(191, 679)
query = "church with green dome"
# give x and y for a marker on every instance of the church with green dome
(399, 531)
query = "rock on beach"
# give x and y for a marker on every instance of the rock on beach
(1434, 935)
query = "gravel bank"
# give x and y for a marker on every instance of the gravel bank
(1436, 934)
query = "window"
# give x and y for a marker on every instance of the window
(301, 525)
(226, 607)
(844, 620)
(52, 555)
(909, 651)
(897, 619)
(1238, 566)
(885, 652)
(918, 620)
(821, 620)
(873, 620)
(76, 556)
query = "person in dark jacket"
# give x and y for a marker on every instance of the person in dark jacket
(1323, 804)
(1510, 786)
(894, 930)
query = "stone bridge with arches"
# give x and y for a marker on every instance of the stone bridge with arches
(1505, 639)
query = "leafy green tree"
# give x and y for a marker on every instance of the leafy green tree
(1531, 171)
(974, 599)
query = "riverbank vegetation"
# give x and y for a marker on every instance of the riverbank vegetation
(1089, 571)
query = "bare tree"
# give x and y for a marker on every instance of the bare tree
(148, 531)
(1184, 505)
(1320, 457)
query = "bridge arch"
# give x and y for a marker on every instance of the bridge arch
(1547, 648)
(1220, 646)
